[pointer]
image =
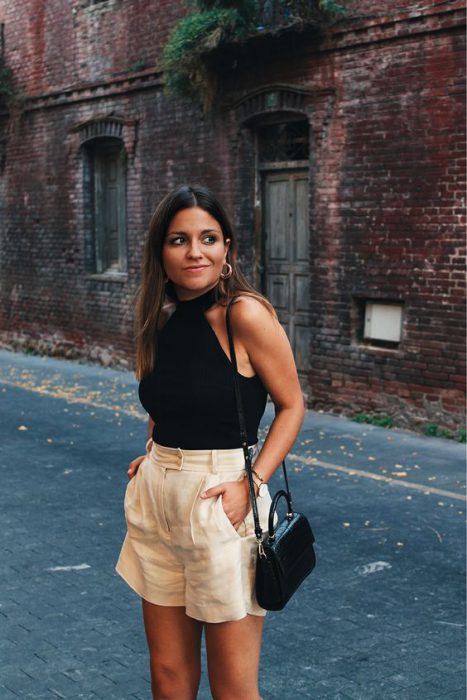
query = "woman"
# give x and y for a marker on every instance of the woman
(190, 549)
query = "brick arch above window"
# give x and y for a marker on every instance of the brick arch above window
(105, 126)
(272, 99)
(281, 103)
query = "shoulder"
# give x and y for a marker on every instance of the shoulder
(249, 315)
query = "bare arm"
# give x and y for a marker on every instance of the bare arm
(271, 356)
(261, 336)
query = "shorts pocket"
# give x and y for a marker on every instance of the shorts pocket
(224, 521)
(140, 508)
(130, 492)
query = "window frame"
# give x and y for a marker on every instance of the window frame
(96, 265)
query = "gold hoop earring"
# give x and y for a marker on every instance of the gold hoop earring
(226, 275)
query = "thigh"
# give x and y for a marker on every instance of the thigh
(233, 652)
(174, 639)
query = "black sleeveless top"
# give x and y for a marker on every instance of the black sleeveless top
(190, 393)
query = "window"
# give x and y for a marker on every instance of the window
(105, 206)
(288, 141)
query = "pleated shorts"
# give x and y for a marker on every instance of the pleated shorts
(181, 549)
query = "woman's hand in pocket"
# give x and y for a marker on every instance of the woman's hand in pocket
(235, 499)
(134, 466)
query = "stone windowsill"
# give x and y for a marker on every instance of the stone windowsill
(108, 276)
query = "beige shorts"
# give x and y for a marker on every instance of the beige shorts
(181, 549)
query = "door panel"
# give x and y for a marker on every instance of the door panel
(279, 292)
(277, 220)
(286, 256)
(302, 292)
(301, 346)
(302, 237)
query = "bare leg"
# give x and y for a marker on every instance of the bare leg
(233, 651)
(174, 641)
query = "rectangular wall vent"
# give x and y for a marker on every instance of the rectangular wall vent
(383, 322)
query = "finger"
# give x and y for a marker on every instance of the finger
(213, 491)
(132, 469)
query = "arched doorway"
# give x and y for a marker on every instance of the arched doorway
(283, 187)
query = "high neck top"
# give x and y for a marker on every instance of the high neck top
(190, 392)
(201, 303)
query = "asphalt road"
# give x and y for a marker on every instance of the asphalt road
(382, 616)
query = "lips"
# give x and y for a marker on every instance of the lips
(195, 268)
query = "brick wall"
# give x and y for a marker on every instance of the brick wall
(58, 44)
(387, 219)
(386, 186)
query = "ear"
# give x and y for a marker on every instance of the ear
(227, 246)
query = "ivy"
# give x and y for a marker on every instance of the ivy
(213, 22)
(6, 89)
(194, 36)
(331, 6)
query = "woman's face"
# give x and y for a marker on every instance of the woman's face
(194, 252)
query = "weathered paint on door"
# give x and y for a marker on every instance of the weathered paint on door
(286, 256)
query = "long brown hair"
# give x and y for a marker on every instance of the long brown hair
(153, 290)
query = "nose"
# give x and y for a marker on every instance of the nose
(194, 250)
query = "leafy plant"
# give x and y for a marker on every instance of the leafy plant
(187, 73)
(6, 88)
(331, 6)
(433, 430)
(136, 67)
(186, 55)
(384, 421)
(430, 429)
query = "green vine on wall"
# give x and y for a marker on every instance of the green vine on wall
(6, 89)
(213, 22)
(12, 102)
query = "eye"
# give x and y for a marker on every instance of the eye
(176, 240)
(211, 238)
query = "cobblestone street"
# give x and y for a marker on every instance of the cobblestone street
(382, 616)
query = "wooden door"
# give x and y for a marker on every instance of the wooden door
(286, 278)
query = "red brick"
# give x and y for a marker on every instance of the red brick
(386, 192)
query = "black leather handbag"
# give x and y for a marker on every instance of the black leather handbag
(285, 554)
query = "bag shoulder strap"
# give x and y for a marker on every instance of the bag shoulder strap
(242, 425)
